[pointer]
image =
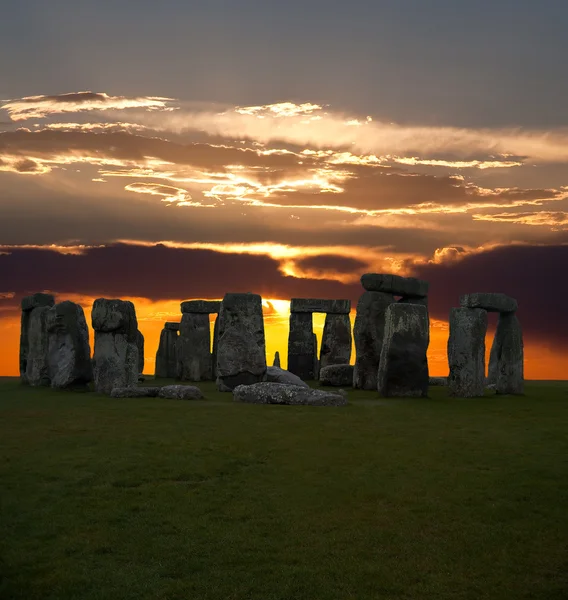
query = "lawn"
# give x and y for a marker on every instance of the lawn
(426, 499)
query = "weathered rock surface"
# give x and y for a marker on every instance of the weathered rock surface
(215, 348)
(403, 367)
(201, 306)
(491, 302)
(440, 381)
(302, 354)
(166, 356)
(410, 287)
(181, 392)
(276, 361)
(135, 392)
(466, 352)
(116, 350)
(336, 341)
(319, 305)
(69, 352)
(28, 304)
(336, 375)
(279, 393)
(195, 362)
(241, 352)
(37, 363)
(368, 332)
(140, 345)
(510, 378)
(278, 375)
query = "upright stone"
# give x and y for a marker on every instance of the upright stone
(302, 355)
(241, 355)
(336, 341)
(403, 367)
(140, 345)
(466, 352)
(116, 350)
(28, 305)
(37, 364)
(69, 352)
(369, 331)
(495, 353)
(194, 348)
(166, 356)
(215, 348)
(510, 378)
(276, 361)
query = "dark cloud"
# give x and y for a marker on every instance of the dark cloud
(331, 263)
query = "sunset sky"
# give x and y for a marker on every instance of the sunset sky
(164, 151)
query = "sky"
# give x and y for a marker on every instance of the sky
(168, 151)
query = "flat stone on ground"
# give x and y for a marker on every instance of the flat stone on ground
(409, 287)
(278, 375)
(135, 392)
(337, 375)
(278, 393)
(491, 302)
(181, 392)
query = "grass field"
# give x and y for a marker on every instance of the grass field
(139, 499)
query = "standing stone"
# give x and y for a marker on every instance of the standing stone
(302, 355)
(403, 367)
(37, 365)
(194, 348)
(276, 361)
(69, 352)
(495, 353)
(116, 350)
(166, 356)
(336, 341)
(466, 352)
(510, 378)
(140, 345)
(215, 348)
(369, 331)
(241, 354)
(28, 305)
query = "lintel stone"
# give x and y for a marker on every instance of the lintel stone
(409, 287)
(201, 306)
(491, 302)
(318, 305)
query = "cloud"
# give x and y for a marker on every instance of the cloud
(556, 220)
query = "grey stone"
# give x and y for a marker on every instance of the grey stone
(201, 306)
(302, 354)
(491, 302)
(409, 287)
(69, 352)
(368, 332)
(466, 352)
(279, 393)
(439, 381)
(181, 392)
(491, 387)
(172, 326)
(135, 392)
(28, 304)
(194, 348)
(403, 367)
(116, 350)
(241, 352)
(336, 341)
(278, 375)
(336, 375)
(215, 348)
(166, 356)
(495, 353)
(140, 345)
(37, 363)
(510, 378)
(312, 305)
(37, 301)
(276, 362)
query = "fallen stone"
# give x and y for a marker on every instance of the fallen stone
(368, 332)
(166, 356)
(140, 345)
(312, 305)
(279, 393)
(37, 363)
(276, 362)
(336, 341)
(409, 287)
(336, 375)
(181, 392)
(491, 302)
(403, 367)
(135, 392)
(28, 304)
(510, 378)
(278, 375)
(443, 381)
(201, 306)
(466, 352)
(69, 352)
(193, 348)
(302, 355)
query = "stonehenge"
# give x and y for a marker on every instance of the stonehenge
(33, 352)
(337, 375)
(276, 361)
(140, 344)
(166, 356)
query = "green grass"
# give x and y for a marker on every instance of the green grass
(432, 499)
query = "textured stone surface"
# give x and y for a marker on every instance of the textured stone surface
(241, 352)
(201, 306)
(172, 326)
(403, 367)
(491, 302)
(279, 393)
(337, 375)
(195, 362)
(368, 332)
(181, 392)
(135, 392)
(510, 378)
(495, 353)
(276, 361)
(166, 356)
(409, 287)
(336, 341)
(439, 381)
(278, 375)
(140, 345)
(116, 350)
(302, 355)
(320, 305)
(466, 352)
(215, 348)
(28, 304)
(69, 352)
(37, 363)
